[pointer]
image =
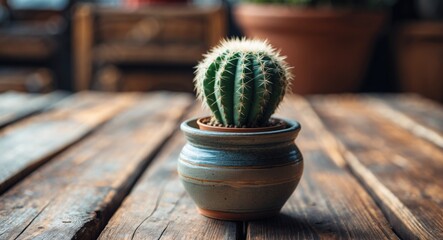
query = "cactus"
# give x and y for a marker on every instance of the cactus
(242, 82)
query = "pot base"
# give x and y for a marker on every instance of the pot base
(237, 216)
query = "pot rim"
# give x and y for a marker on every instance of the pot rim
(190, 126)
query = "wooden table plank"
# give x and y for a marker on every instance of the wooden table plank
(422, 117)
(158, 207)
(30, 143)
(329, 202)
(75, 194)
(402, 172)
(15, 106)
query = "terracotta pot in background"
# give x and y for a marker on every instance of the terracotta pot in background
(419, 58)
(328, 48)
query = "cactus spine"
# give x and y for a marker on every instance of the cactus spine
(242, 82)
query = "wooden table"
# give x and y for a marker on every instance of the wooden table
(97, 165)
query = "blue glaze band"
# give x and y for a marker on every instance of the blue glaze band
(240, 149)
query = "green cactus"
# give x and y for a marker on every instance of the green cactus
(242, 82)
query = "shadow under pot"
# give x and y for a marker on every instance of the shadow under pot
(240, 175)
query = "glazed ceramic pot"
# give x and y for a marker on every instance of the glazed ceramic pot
(240, 176)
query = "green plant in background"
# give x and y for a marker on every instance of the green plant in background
(242, 82)
(335, 3)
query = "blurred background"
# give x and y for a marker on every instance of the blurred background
(335, 46)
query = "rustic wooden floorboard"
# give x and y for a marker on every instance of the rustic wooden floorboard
(422, 117)
(402, 172)
(74, 195)
(31, 142)
(158, 206)
(329, 202)
(15, 106)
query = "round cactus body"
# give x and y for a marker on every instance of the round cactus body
(242, 82)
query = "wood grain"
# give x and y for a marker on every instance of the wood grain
(159, 207)
(420, 116)
(402, 172)
(75, 194)
(15, 106)
(30, 143)
(328, 203)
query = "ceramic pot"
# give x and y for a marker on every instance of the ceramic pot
(240, 176)
(329, 48)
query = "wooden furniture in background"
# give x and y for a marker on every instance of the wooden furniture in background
(28, 56)
(34, 36)
(419, 50)
(103, 165)
(147, 48)
(39, 80)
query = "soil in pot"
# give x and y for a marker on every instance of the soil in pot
(273, 124)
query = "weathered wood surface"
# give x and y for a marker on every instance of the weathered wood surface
(402, 172)
(75, 194)
(159, 207)
(367, 175)
(422, 117)
(329, 202)
(15, 106)
(31, 142)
